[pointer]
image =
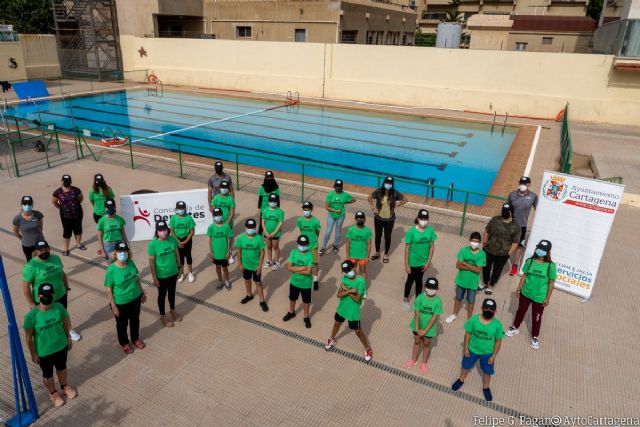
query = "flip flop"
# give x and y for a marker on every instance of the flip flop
(385, 260)
(374, 257)
(82, 247)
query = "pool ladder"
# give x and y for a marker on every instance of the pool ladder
(504, 123)
(293, 101)
(152, 88)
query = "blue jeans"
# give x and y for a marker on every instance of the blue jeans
(470, 293)
(108, 248)
(487, 368)
(331, 222)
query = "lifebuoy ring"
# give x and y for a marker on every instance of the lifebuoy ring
(115, 141)
(153, 79)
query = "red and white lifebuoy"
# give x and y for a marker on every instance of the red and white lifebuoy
(115, 141)
(152, 79)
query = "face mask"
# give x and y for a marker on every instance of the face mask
(306, 214)
(27, 208)
(46, 299)
(487, 314)
(338, 190)
(99, 183)
(217, 219)
(474, 245)
(541, 253)
(66, 183)
(111, 212)
(218, 170)
(251, 231)
(388, 186)
(423, 223)
(122, 256)
(180, 212)
(506, 214)
(303, 248)
(44, 256)
(224, 191)
(273, 204)
(163, 233)
(351, 274)
(360, 223)
(431, 292)
(522, 188)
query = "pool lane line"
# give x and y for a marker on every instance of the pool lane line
(451, 154)
(310, 161)
(442, 141)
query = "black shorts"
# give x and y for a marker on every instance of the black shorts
(523, 235)
(294, 293)
(221, 262)
(250, 274)
(71, 226)
(59, 360)
(63, 300)
(353, 324)
(96, 217)
(274, 238)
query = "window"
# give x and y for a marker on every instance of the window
(349, 37)
(370, 37)
(520, 46)
(301, 35)
(547, 40)
(243, 32)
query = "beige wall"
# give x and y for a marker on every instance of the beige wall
(530, 84)
(135, 17)
(565, 42)
(12, 50)
(494, 39)
(40, 56)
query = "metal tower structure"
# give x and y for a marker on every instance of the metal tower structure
(87, 36)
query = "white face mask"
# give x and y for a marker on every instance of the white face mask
(273, 204)
(474, 245)
(122, 256)
(217, 219)
(431, 292)
(303, 249)
(224, 191)
(351, 274)
(423, 222)
(522, 188)
(251, 231)
(306, 214)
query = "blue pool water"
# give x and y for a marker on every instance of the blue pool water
(469, 155)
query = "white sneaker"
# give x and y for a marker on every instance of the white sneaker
(191, 278)
(275, 266)
(267, 264)
(75, 336)
(406, 306)
(481, 286)
(181, 278)
(451, 318)
(535, 343)
(513, 331)
(232, 260)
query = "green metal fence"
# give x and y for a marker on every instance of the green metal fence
(566, 149)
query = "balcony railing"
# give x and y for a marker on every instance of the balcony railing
(620, 38)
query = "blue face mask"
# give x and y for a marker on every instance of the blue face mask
(388, 186)
(273, 204)
(27, 208)
(541, 253)
(180, 212)
(111, 212)
(303, 248)
(122, 256)
(306, 214)
(224, 191)
(251, 231)
(351, 274)
(217, 219)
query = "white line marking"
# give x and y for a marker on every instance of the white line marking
(532, 154)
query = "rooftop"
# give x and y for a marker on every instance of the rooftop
(562, 24)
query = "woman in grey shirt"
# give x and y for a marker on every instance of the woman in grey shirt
(27, 226)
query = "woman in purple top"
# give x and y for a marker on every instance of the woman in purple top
(68, 200)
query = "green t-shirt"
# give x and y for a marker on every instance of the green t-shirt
(347, 307)
(225, 203)
(111, 228)
(469, 279)
(123, 282)
(265, 197)
(182, 225)
(37, 272)
(427, 307)
(358, 238)
(165, 253)
(420, 242)
(310, 228)
(483, 337)
(299, 259)
(536, 284)
(49, 336)
(337, 201)
(98, 200)
(220, 235)
(251, 248)
(272, 218)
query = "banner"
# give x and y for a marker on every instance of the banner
(143, 211)
(575, 214)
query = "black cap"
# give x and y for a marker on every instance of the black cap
(303, 240)
(544, 245)
(489, 303)
(307, 206)
(45, 289)
(161, 225)
(109, 203)
(507, 207)
(388, 180)
(181, 205)
(525, 180)
(347, 266)
(98, 177)
(273, 197)
(121, 247)
(217, 212)
(250, 223)
(224, 184)
(360, 215)
(423, 214)
(268, 174)
(26, 200)
(338, 183)
(41, 244)
(66, 178)
(431, 283)
(217, 164)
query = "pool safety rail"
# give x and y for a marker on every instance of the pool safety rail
(566, 148)
(85, 142)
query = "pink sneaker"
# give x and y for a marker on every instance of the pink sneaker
(368, 354)
(331, 342)
(423, 368)
(410, 364)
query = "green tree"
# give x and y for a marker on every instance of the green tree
(425, 40)
(27, 16)
(594, 8)
(454, 15)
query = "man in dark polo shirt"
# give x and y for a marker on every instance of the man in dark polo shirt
(522, 201)
(215, 181)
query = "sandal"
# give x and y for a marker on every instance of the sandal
(65, 253)
(385, 259)
(176, 316)
(166, 322)
(375, 257)
(139, 344)
(82, 247)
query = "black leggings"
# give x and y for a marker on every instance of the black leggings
(71, 226)
(415, 276)
(387, 227)
(58, 359)
(185, 253)
(491, 273)
(96, 217)
(167, 289)
(129, 316)
(28, 252)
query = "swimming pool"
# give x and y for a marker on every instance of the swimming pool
(359, 143)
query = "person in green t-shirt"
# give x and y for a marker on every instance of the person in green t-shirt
(351, 293)
(309, 226)
(272, 221)
(225, 201)
(250, 249)
(535, 289)
(470, 261)
(427, 309)
(47, 327)
(110, 229)
(269, 186)
(164, 261)
(359, 238)
(183, 227)
(336, 202)
(99, 194)
(301, 266)
(125, 294)
(220, 234)
(482, 341)
(418, 254)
